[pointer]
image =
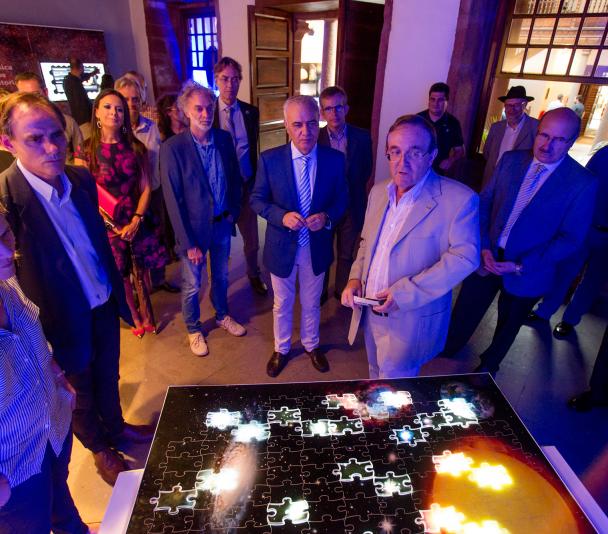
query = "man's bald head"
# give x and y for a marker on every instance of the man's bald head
(557, 132)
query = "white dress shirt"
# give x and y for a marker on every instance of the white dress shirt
(395, 215)
(241, 141)
(509, 138)
(147, 132)
(73, 235)
(549, 168)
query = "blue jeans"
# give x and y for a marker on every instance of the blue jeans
(43, 502)
(219, 252)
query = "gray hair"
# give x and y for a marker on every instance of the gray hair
(128, 81)
(302, 100)
(417, 121)
(189, 88)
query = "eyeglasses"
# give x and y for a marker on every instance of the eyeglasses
(413, 154)
(548, 139)
(231, 79)
(336, 109)
(515, 106)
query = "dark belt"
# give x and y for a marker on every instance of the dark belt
(221, 216)
(600, 228)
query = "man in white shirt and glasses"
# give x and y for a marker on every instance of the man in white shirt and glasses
(420, 238)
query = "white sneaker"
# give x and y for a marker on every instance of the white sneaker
(231, 326)
(198, 345)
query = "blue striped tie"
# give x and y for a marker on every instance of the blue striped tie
(528, 187)
(305, 198)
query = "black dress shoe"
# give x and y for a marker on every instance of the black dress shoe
(319, 360)
(585, 402)
(166, 286)
(562, 330)
(110, 463)
(258, 285)
(276, 364)
(483, 368)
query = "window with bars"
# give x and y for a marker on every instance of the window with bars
(202, 48)
(565, 38)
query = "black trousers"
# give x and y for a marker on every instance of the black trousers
(476, 296)
(43, 502)
(98, 415)
(347, 240)
(599, 376)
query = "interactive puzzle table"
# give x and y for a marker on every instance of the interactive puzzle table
(421, 455)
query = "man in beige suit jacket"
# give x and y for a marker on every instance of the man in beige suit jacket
(420, 239)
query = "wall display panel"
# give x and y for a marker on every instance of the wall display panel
(28, 48)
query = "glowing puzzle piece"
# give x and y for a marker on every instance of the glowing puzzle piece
(284, 416)
(247, 432)
(436, 420)
(287, 510)
(458, 412)
(392, 484)
(348, 401)
(439, 519)
(315, 428)
(409, 435)
(375, 411)
(495, 477)
(487, 526)
(452, 464)
(396, 399)
(354, 469)
(223, 419)
(345, 426)
(175, 500)
(208, 480)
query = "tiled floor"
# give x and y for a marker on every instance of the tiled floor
(538, 376)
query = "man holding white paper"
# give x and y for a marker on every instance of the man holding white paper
(420, 238)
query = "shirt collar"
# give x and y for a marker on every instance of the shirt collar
(550, 167)
(339, 136)
(209, 144)
(412, 194)
(295, 153)
(44, 189)
(222, 105)
(519, 124)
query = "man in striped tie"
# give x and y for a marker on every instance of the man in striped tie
(535, 211)
(301, 191)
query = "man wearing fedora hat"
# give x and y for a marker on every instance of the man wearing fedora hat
(516, 132)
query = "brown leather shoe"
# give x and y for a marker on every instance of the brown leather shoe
(276, 364)
(319, 360)
(135, 434)
(109, 464)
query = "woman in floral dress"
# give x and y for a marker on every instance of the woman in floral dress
(117, 161)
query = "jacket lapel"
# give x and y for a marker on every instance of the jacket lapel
(523, 133)
(195, 158)
(289, 178)
(552, 188)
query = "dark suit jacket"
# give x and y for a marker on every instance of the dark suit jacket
(187, 191)
(358, 168)
(251, 117)
(45, 272)
(550, 228)
(275, 193)
(524, 141)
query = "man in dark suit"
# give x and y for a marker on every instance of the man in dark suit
(516, 132)
(201, 183)
(356, 144)
(67, 269)
(242, 121)
(535, 211)
(301, 191)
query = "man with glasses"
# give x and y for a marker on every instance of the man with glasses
(356, 144)
(516, 132)
(242, 121)
(420, 239)
(535, 211)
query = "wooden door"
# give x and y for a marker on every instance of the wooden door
(271, 51)
(359, 30)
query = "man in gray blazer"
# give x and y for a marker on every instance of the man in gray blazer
(535, 211)
(420, 238)
(516, 132)
(202, 188)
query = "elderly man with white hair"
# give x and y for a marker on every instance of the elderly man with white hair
(301, 191)
(202, 188)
